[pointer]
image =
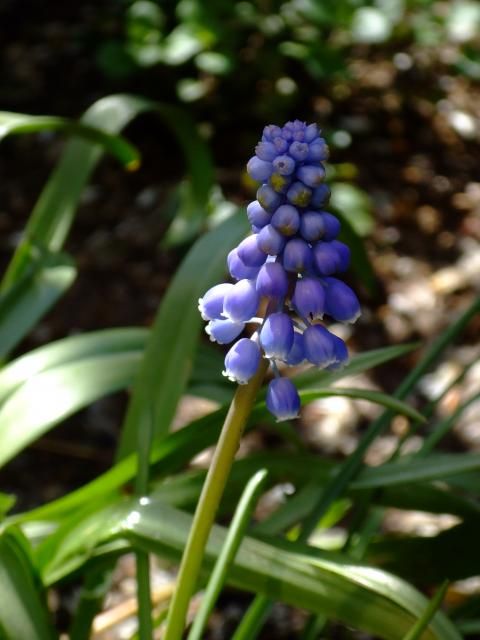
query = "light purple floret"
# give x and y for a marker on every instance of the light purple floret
(242, 361)
(241, 301)
(282, 399)
(211, 305)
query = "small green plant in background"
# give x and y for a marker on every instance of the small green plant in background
(368, 584)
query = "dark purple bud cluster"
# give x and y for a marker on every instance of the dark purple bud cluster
(289, 261)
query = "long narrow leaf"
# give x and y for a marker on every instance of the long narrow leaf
(54, 212)
(22, 305)
(20, 123)
(23, 612)
(365, 394)
(359, 596)
(51, 396)
(233, 539)
(67, 350)
(170, 349)
(180, 447)
(435, 467)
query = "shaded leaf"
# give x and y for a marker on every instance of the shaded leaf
(23, 611)
(168, 357)
(23, 304)
(20, 123)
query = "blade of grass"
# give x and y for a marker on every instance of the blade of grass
(234, 537)
(422, 623)
(444, 426)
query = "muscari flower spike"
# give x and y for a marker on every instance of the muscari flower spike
(290, 261)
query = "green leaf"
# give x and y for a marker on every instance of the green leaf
(178, 448)
(434, 467)
(353, 206)
(364, 394)
(23, 611)
(359, 596)
(359, 363)
(6, 503)
(54, 212)
(422, 623)
(69, 350)
(20, 123)
(169, 353)
(236, 531)
(30, 297)
(52, 395)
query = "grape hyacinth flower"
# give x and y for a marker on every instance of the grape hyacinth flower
(289, 264)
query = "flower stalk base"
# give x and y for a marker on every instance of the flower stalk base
(210, 497)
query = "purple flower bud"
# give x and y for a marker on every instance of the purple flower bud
(270, 241)
(341, 303)
(296, 355)
(311, 132)
(284, 165)
(258, 169)
(276, 335)
(281, 145)
(320, 196)
(343, 255)
(282, 399)
(268, 198)
(241, 301)
(309, 298)
(341, 354)
(271, 131)
(257, 216)
(311, 175)
(266, 151)
(318, 150)
(211, 305)
(249, 253)
(319, 346)
(238, 269)
(332, 225)
(297, 256)
(312, 226)
(224, 331)
(272, 281)
(326, 258)
(242, 361)
(286, 219)
(299, 195)
(298, 151)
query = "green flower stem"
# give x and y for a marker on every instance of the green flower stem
(212, 491)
